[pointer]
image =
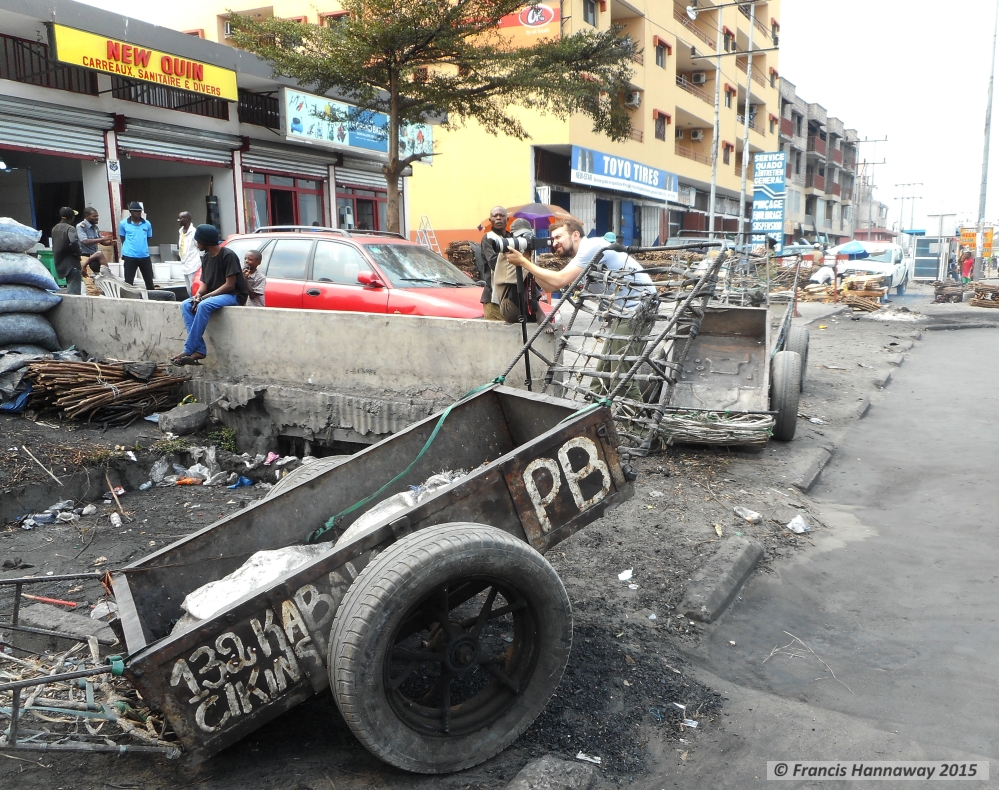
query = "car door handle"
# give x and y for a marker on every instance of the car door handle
(313, 292)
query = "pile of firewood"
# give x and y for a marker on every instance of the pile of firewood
(861, 292)
(985, 296)
(949, 291)
(114, 394)
(460, 254)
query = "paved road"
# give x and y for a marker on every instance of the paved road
(900, 598)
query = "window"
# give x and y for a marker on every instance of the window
(335, 262)
(281, 200)
(290, 259)
(421, 75)
(773, 78)
(660, 127)
(412, 266)
(364, 209)
(243, 246)
(773, 124)
(590, 12)
(728, 98)
(196, 33)
(729, 42)
(333, 18)
(797, 126)
(661, 55)
(797, 163)
(726, 154)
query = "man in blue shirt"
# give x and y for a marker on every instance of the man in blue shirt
(135, 234)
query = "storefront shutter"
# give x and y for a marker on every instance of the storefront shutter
(49, 127)
(165, 141)
(364, 173)
(288, 160)
(583, 206)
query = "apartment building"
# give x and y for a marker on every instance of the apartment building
(822, 157)
(651, 186)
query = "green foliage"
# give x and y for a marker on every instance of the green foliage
(225, 439)
(420, 60)
(98, 456)
(171, 446)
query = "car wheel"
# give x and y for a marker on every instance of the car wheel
(797, 341)
(785, 392)
(448, 646)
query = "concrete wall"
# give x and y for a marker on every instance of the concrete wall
(320, 375)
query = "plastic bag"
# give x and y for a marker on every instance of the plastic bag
(15, 237)
(27, 328)
(26, 299)
(798, 525)
(750, 515)
(16, 268)
(159, 470)
(263, 568)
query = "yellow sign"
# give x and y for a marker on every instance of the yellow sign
(138, 63)
(968, 240)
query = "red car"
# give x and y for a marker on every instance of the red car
(358, 271)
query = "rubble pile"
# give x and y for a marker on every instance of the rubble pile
(115, 394)
(985, 296)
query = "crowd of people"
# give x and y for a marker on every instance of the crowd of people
(213, 275)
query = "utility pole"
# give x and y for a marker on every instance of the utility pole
(901, 213)
(745, 139)
(980, 235)
(716, 129)
(856, 185)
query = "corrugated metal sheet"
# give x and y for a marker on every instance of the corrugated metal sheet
(288, 160)
(175, 142)
(364, 173)
(583, 206)
(50, 127)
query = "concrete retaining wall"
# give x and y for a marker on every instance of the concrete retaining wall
(320, 375)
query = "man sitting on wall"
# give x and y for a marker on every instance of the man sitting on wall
(222, 285)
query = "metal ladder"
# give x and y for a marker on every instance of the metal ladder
(425, 235)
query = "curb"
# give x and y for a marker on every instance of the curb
(550, 773)
(833, 314)
(862, 407)
(968, 325)
(813, 468)
(883, 381)
(896, 359)
(716, 584)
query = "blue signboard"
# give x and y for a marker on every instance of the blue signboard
(769, 170)
(621, 174)
(320, 121)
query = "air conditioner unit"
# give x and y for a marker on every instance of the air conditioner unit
(678, 134)
(699, 77)
(697, 135)
(633, 99)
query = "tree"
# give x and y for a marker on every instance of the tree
(421, 60)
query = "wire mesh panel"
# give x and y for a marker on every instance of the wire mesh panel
(625, 335)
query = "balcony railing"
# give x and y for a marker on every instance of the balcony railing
(815, 181)
(636, 134)
(260, 109)
(787, 127)
(816, 144)
(787, 173)
(837, 156)
(690, 88)
(681, 16)
(743, 65)
(29, 62)
(168, 98)
(756, 21)
(638, 57)
(740, 119)
(686, 153)
(833, 189)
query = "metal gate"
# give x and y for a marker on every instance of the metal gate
(929, 264)
(37, 126)
(288, 160)
(165, 141)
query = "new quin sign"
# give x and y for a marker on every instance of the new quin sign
(100, 53)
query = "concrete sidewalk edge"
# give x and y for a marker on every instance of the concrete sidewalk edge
(717, 583)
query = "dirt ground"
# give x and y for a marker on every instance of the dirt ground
(628, 669)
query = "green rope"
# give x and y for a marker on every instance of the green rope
(332, 522)
(603, 402)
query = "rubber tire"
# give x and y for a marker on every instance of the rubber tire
(305, 473)
(382, 595)
(785, 392)
(797, 341)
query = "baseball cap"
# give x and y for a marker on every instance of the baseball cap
(67, 212)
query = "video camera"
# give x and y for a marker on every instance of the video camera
(522, 240)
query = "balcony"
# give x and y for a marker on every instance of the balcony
(816, 144)
(741, 119)
(756, 21)
(681, 16)
(30, 62)
(636, 135)
(837, 156)
(787, 172)
(743, 65)
(260, 109)
(682, 82)
(833, 189)
(687, 153)
(815, 181)
(787, 127)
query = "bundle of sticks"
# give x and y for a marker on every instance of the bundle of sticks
(860, 302)
(985, 295)
(115, 394)
(460, 254)
(944, 292)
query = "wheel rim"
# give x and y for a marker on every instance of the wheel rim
(452, 674)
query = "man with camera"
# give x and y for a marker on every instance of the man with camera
(632, 310)
(491, 252)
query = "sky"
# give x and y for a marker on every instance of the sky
(912, 71)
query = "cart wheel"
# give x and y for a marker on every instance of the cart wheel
(305, 473)
(448, 645)
(785, 390)
(797, 341)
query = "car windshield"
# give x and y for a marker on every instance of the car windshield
(412, 266)
(882, 256)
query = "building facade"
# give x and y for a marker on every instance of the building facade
(99, 109)
(822, 159)
(653, 185)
